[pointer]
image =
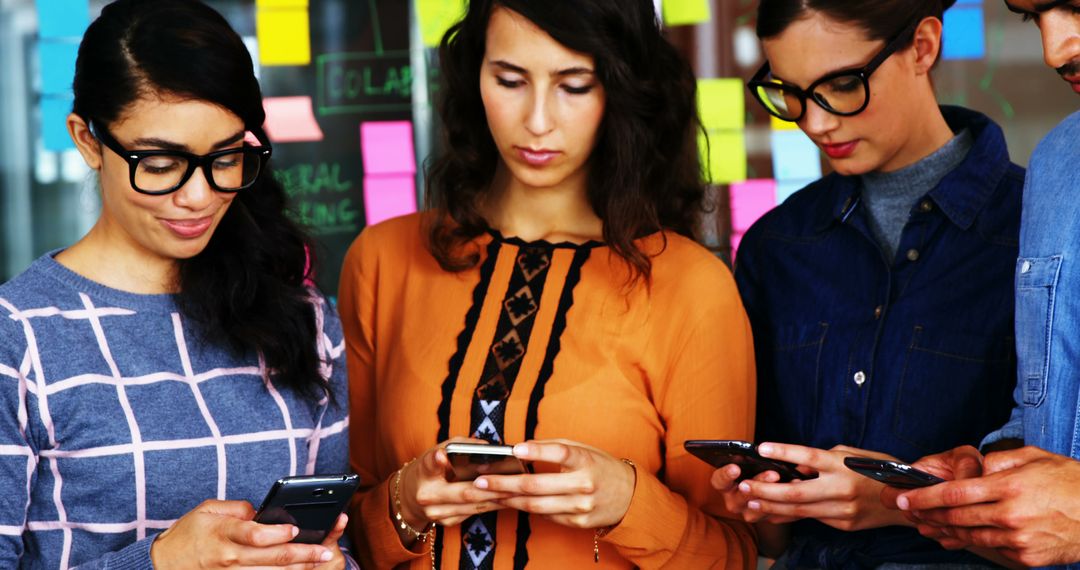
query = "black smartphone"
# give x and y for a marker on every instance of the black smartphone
(893, 474)
(471, 460)
(312, 503)
(721, 452)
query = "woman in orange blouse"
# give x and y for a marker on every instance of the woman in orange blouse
(550, 299)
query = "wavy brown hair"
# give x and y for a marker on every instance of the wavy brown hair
(645, 172)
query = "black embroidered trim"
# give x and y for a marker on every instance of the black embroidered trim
(573, 276)
(521, 549)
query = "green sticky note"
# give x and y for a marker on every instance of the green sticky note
(436, 16)
(725, 156)
(722, 104)
(684, 12)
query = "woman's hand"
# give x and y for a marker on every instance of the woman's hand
(838, 497)
(726, 480)
(220, 534)
(426, 495)
(592, 489)
(337, 562)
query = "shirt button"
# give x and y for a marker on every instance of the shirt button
(913, 255)
(926, 205)
(860, 378)
(878, 311)
(1026, 267)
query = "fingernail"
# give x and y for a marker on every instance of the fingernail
(754, 505)
(765, 449)
(903, 503)
(295, 531)
(481, 483)
(744, 487)
(521, 450)
(326, 556)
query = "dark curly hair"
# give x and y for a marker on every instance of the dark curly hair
(247, 288)
(880, 19)
(645, 170)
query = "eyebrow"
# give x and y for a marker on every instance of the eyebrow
(570, 71)
(170, 145)
(1039, 8)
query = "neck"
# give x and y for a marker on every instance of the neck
(929, 134)
(118, 263)
(557, 213)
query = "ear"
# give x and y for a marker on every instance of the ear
(88, 145)
(927, 45)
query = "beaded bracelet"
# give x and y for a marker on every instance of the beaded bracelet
(603, 531)
(427, 535)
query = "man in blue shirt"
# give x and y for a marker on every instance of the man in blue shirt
(1026, 502)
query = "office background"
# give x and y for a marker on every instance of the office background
(349, 86)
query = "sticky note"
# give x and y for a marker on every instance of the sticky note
(722, 104)
(54, 112)
(387, 197)
(785, 188)
(284, 34)
(779, 125)
(964, 34)
(57, 60)
(794, 156)
(684, 12)
(62, 18)
(271, 4)
(291, 119)
(387, 147)
(436, 17)
(725, 156)
(749, 201)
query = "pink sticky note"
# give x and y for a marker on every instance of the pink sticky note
(291, 119)
(749, 201)
(388, 147)
(389, 196)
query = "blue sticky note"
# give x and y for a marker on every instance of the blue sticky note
(57, 60)
(794, 156)
(964, 33)
(54, 112)
(63, 18)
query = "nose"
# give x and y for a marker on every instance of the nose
(196, 194)
(539, 121)
(1061, 38)
(817, 121)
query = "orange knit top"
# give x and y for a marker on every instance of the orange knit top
(543, 341)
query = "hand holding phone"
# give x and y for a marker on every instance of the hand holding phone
(471, 460)
(311, 503)
(892, 473)
(721, 452)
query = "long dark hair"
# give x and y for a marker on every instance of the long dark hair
(645, 170)
(879, 19)
(247, 287)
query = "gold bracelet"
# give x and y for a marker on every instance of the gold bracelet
(424, 535)
(604, 530)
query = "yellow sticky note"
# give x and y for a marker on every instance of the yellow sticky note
(284, 35)
(436, 16)
(281, 4)
(725, 156)
(722, 104)
(684, 12)
(778, 125)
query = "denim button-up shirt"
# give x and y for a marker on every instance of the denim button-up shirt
(1047, 394)
(907, 356)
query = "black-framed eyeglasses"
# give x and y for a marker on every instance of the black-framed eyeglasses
(845, 92)
(157, 172)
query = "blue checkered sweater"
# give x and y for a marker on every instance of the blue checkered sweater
(116, 418)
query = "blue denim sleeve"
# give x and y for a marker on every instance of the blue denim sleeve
(1013, 429)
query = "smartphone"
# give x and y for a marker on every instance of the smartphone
(721, 452)
(471, 460)
(891, 473)
(312, 503)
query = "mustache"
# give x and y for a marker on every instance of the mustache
(1071, 69)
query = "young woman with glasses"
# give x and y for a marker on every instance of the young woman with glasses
(550, 300)
(881, 295)
(160, 374)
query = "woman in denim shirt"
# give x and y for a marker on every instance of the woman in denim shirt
(881, 295)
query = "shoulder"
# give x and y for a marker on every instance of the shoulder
(1059, 142)
(394, 242)
(801, 216)
(684, 270)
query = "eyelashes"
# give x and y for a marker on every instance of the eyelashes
(572, 90)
